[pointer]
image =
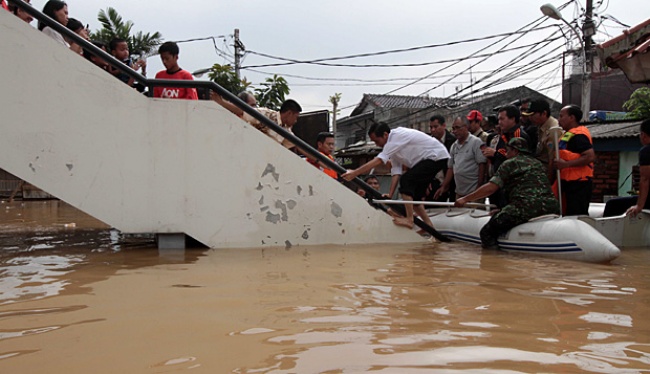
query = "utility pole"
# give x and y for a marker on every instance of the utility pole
(588, 30)
(239, 53)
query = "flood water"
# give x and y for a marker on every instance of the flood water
(77, 297)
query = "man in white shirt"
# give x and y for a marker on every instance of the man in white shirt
(423, 155)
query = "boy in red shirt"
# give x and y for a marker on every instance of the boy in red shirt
(169, 56)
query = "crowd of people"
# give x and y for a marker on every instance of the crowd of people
(527, 162)
(169, 54)
(117, 47)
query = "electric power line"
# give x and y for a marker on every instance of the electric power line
(320, 61)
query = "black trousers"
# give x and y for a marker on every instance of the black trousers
(416, 180)
(577, 197)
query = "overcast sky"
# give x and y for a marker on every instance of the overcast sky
(306, 30)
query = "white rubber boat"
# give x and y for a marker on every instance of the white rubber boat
(559, 237)
(623, 231)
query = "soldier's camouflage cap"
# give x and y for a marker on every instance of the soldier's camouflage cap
(519, 144)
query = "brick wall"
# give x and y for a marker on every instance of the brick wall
(605, 175)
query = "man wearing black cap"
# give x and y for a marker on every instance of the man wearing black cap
(542, 143)
(524, 104)
(527, 189)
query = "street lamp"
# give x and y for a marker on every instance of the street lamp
(199, 73)
(552, 12)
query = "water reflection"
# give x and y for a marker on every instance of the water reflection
(501, 313)
(34, 277)
(388, 309)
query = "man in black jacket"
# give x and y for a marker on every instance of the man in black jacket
(439, 131)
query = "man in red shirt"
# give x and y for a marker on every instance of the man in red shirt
(169, 56)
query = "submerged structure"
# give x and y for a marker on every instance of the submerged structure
(168, 167)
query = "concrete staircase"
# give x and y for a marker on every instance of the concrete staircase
(159, 166)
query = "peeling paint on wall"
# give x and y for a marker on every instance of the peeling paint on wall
(337, 211)
(280, 205)
(299, 189)
(305, 235)
(273, 218)
(270, 169)
(291, 204)
(287, 244)
(69, 166)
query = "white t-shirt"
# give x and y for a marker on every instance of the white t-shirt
(407, 147)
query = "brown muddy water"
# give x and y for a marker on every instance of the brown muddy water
(85, 299)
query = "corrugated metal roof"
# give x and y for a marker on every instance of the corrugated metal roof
(627, 129)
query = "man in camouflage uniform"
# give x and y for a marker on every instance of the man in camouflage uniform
(527, 189)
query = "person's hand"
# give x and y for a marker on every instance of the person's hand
(385, 196)
(560, 164)
(216, 97)
(348, 175)
(459, 203)
(439, 192)
(488, 152)
(112, 70)
(633, 210)
(141, 64)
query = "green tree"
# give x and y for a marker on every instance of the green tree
(272, 93)
(638, 106)
(334, 100)
(113, 26)
(225, 76)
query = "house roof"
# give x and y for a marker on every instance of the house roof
(402, 101)
(629, 52)
(614, 130)
(360, 148)
(489, 102)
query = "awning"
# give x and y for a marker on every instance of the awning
(629, 52)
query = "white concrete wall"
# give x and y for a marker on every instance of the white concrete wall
(163, 166)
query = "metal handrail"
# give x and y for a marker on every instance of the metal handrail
(374, 195)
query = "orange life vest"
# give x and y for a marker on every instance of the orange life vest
(327, 171)
(578, 173)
